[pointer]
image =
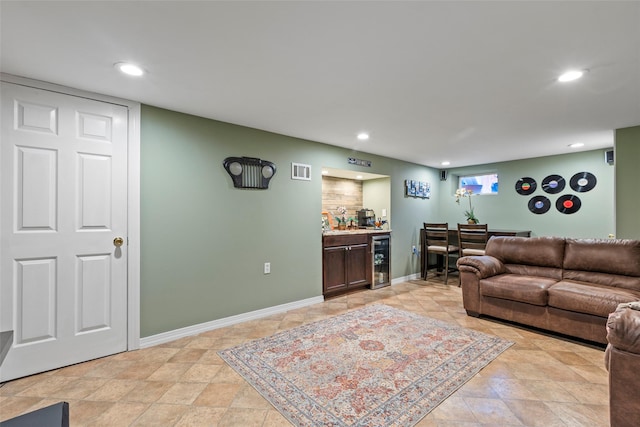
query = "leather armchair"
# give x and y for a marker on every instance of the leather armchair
(622, 359)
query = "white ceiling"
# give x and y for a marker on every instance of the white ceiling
(469, 82)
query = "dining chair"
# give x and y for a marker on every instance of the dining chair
(437, 242)
(472, 239)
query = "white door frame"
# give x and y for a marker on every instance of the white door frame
(133, 194)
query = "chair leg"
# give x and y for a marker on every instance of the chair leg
(425, 265)
(446, 268)
(438, 261)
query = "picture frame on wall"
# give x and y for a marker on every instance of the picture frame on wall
(419, 189)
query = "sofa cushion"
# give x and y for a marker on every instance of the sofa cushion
(607, 279)
(537, 251)
(613, 256)
(588, 298)
(534, 270)
(514, 287)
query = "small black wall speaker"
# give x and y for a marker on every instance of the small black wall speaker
(608, 156)
(443, 175)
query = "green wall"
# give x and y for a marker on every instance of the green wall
(376, 195)
(509, 210)
(627, 159)
(204, 242)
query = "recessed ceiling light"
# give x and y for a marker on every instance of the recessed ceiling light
(576, 145)
(445, 163)
(358, 176)
(129, 69)
(325, 172)
(363, 136)
(571, 75)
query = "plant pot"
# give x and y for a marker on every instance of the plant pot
(472, 221)
(342, 226)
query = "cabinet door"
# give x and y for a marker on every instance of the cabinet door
(356, 264)
(334, 268)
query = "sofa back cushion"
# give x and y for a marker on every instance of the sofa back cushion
(611, 262)
(532, 256)
(533, 270)
(538, 251)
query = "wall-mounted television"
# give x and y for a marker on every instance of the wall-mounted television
(480, 184)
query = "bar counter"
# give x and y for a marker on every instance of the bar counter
(356, 231)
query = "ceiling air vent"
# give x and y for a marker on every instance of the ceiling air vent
(300, 171)
(249, 172)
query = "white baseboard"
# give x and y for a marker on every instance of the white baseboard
(244, 317)
(227, 321)
(413, 276)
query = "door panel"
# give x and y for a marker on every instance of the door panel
(35, 186)
(37, 118)
(36, 300)
(93, 291)
(95, 191)
(357, 264)
(63, 195)
(334, 268)
(95, 127)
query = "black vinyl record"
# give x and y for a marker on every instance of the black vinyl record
(553, 184)
(582, 182)
(526, 186)
(539, 204)
(568, 204)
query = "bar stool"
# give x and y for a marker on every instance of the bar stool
(437, 242)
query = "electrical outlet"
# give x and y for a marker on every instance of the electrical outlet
(267, 268)
(414, 250)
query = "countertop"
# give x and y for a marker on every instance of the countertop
(358, 231)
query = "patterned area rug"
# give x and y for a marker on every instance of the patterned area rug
(375, 366)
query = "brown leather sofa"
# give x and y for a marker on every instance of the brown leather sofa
(568, 286)
(622, 359)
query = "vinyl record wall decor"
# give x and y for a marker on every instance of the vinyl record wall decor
(580, 182)
(539, 204)
(526, 186)
(553, 184)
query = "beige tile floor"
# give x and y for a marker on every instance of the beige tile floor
(540, 381)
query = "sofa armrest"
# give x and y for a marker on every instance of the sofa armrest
(482, 266)
(623, 327)
(622, 359)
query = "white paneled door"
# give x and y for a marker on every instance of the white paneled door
(63, 210)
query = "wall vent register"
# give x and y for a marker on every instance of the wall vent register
(249, 172)
(300, 171)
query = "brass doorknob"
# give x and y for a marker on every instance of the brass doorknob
(118, 241)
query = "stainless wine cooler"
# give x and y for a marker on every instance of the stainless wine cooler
(381, 263)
